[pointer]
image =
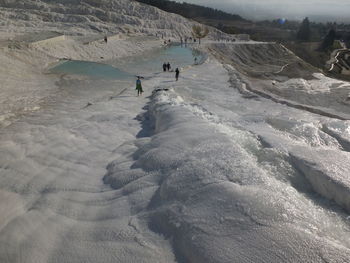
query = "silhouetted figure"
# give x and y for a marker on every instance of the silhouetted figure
(139, 86)
(168, 66)
(105, 39)
(177, 74)
(164, 67)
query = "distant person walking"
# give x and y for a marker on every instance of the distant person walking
(105, 39)
(139, 86)
(177, 74)
(164, 67)
(168, 66)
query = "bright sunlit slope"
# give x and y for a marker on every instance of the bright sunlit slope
(197, 170)
(36, 34)
(238, 179)
(82, 17)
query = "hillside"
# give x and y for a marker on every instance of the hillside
(75, 30)
(91, 16)
(191, 10)
(243, 158)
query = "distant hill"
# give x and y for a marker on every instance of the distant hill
(191, 10)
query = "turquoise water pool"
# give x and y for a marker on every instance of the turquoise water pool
(151, 62)
(91, 69)
(127, 68)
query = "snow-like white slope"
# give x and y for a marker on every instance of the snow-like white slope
(329, 179)
(55, 207)
(90, 16)
(223, 195)
(23, 87)
(272, 71)
(287, 129)
(25, 52)
(339, 130)
(197, 174)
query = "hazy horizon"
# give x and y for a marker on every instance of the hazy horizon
(316, 10)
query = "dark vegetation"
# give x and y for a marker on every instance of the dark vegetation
(304, 32)
(191, 10)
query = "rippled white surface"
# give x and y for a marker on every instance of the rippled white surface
(197, 173)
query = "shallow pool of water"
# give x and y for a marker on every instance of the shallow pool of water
(151, 62)
(91, 69)
(127, 68)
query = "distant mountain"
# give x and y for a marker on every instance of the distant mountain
(191, 10)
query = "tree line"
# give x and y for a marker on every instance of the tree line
(191, 10)
(334, 33)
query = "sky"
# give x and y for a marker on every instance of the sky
(317, 10)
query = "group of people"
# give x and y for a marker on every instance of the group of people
(166, 67)
(185, 40)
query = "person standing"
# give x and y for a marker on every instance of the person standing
(139, 86)
(177, 74)
(168, 66)
(164, 67)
